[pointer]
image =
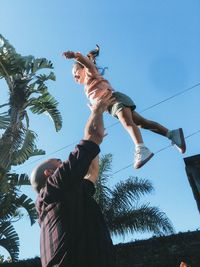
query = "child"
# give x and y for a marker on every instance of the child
(86, 72)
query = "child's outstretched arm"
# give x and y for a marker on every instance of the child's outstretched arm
(85, 61)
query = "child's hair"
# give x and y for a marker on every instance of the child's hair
(93, 54)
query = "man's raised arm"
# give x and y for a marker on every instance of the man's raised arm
(94, 129)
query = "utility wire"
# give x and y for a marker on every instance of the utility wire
(112, 125)
(173, 96)
(49, 154)
(158, 151)
(162, 101)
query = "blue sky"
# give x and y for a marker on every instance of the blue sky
(151, 48)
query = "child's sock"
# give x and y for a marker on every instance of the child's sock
(139, 145)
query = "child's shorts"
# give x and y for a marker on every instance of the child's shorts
(122, 101)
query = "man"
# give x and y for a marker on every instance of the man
(73, 230)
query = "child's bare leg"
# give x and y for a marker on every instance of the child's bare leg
(125, 117)
(142, 153)
(148, 124)
(176, 136)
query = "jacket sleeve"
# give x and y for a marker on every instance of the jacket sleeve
(73, 170)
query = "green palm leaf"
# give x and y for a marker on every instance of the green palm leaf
(27, 150)
(121, 205)
(105, 168)
(27, 203)
(102, 193)
(8, 195)
(23, 179)
(18, 179)
(47, 103)
(39, 86)
(141, 219)
(10, 201)
(10, 61)
(9, 239)
(41, 63)
(129, 191)
(4, 120)
(43, 77)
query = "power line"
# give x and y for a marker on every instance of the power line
(112, 125)
(173, 96)
(158, 151)
(32, 162)
(162, 101)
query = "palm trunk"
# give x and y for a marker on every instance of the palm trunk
(10, 139)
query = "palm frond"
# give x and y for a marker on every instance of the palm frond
(10, 201)
(4, 120)
(10, 62)
(102, 194)
(121, 208)
(18, 179)
(9, 240)
(47, 103)
(23, 179)
(43, 77)
(41, 63)
(27, 203)
(105, 168)
(127, 192)
(38, 85)
(27, 150)
(8, 205)
(141, 219)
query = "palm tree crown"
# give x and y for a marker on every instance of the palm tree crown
(27, 91)
(121, 205)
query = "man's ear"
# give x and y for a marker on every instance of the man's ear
(47, 172)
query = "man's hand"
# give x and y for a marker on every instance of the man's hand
(102, 104)
(94, 129)
(69, 54)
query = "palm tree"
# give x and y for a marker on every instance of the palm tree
(27, 92)
(11, 200)
(121, 207)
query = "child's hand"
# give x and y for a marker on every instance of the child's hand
(69, 54)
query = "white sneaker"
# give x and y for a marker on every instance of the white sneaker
(178, 140)
(142, 155)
